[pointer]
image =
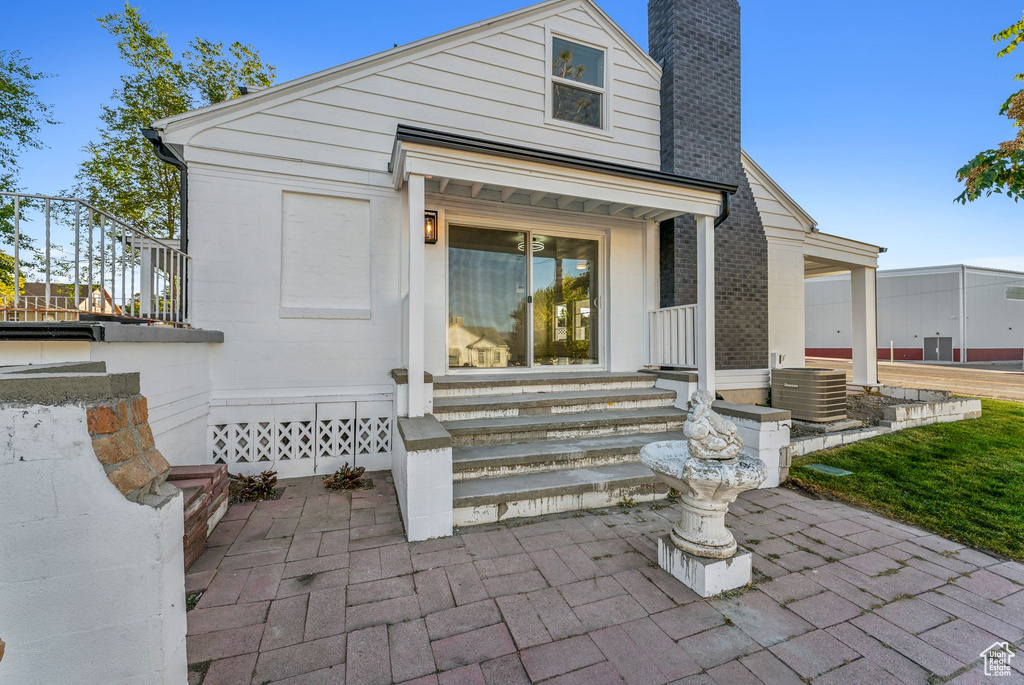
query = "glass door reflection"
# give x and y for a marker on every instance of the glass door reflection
(565, 292)
(487, 298)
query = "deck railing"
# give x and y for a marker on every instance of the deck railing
(672, 336)
(82, 260)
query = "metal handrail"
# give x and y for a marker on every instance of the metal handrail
(146, 275)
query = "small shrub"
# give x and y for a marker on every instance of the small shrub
(345, 478)
(253, 488)
(627, 502)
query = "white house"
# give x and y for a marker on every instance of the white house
(938, 313)
(399, 250)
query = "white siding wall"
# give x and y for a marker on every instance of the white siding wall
(491, 87)
(773, 213)
(336, 140)
(992, 320)
(785, 233)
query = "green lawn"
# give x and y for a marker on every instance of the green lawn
(962, 480)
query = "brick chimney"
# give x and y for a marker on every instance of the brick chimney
(697, 42)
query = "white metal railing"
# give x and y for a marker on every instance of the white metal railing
(672, 336)
(89, 262)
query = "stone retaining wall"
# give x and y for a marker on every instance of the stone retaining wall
(896, 418)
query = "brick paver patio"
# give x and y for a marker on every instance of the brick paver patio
(322, 588)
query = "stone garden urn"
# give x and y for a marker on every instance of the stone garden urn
(709, 471)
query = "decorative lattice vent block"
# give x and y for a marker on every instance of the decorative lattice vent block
(300, 438)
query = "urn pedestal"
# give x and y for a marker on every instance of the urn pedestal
(709, 471)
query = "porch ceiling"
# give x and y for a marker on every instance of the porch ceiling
(461, 188)
(826, 254)
(497, 172)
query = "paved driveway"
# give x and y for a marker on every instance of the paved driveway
(1002, 381)
(318, 588)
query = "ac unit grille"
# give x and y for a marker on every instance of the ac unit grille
(810, 394)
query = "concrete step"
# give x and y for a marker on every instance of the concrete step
(520, 429)
(548, 403)
(469, 385)
(487, 500)
(490, 461)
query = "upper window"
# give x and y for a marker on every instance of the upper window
(1014, 292)
(577, 83)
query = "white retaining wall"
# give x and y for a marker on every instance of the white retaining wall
(896, 418)
(765, 441)
(91, 584)
(174, 377)
(423, 484)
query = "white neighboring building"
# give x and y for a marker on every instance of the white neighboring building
(942, 313)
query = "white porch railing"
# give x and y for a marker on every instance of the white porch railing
(672, 336)
(70, 258)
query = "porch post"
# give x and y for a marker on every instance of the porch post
(865, 335)
(706, 303)
(414, 190)
(652, 281)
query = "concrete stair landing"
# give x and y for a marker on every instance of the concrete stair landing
(535, 444)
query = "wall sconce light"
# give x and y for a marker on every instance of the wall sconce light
(430, 228)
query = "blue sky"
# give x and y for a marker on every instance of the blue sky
(862, 111)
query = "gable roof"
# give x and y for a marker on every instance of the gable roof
(777, 193)
(487, 334)
(228, 108)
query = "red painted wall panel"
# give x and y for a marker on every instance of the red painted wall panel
(900, 353)
(995, 354)
(916, 354)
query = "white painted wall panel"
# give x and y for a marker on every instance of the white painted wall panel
(786, 301)
(325, 255)
(993, 320)
(909, 310)
(236, 246)
(828, 314)
(626, 296)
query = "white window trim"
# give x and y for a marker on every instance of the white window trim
(606, 93)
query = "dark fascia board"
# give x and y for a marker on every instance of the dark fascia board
(455, 141)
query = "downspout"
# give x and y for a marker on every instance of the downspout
(726, 208)
(963, 314)
(165, 154)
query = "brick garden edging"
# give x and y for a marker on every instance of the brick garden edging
(206, 500)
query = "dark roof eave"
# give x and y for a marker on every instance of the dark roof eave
(455, 141)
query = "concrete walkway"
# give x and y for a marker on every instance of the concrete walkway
(317, 588)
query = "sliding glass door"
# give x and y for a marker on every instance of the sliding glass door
(521, 299)
(565, 330)
(487, 298)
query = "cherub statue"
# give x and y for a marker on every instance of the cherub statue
(710, 435)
